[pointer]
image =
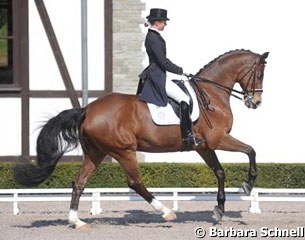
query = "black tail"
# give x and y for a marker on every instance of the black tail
(58, 136)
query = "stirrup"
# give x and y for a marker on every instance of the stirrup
(189, 142)
(197, 141)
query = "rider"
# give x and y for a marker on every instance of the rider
(154, 87)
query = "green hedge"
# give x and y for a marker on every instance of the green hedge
(271, 175)
(3, 44)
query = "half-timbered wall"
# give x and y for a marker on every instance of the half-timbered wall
(44, 42)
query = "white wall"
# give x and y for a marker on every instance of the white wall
(199, 31)
(10, 126)
(44, 73)
(65, 17)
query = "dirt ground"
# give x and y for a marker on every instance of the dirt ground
(137, 220)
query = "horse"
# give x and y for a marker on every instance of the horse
(118, 125)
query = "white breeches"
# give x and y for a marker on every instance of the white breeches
(175, 92)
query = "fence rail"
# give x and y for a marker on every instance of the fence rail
(96, 195)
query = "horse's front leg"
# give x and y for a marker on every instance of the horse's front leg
(229, 143)
(212, 161)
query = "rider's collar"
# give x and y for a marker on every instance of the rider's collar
(156, 30)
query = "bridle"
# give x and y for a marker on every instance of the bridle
(247, 92)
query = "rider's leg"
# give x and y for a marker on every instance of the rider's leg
(189, 140)
(177, 94)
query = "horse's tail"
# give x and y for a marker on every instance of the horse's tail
(58, 136)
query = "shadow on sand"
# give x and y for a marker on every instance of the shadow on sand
(142, 218)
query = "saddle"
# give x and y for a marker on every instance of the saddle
(170, 114)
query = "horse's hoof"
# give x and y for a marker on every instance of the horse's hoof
(247, 188)
(218, 213)
(79, 225)
(84, 227)
(169, 216)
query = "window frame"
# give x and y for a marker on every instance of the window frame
(6, 5)
(19, 45)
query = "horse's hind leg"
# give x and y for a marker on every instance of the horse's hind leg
(212, 161)
(231, 144)
(90, 164)
(127, 160)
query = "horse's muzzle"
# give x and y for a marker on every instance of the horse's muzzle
(252, 102)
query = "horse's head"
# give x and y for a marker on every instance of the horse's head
(251, 81)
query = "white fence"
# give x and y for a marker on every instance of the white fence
(96, 195)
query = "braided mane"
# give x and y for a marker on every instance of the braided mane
(222, 55)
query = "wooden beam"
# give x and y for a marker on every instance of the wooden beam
(57, 52)
(21, 69)
(108, 9)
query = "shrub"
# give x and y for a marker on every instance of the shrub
(270, 175)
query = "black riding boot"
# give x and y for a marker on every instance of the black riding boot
(188, 138)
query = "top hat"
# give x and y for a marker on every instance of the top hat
(157, 14)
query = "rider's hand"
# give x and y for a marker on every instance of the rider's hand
(188, 75)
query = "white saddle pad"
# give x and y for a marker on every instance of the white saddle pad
(167, 116)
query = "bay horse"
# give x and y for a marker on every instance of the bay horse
(118, 125)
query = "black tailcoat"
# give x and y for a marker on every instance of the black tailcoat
(152, 80)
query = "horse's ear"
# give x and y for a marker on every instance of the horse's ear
(263, 57)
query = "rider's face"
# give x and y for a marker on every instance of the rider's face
(160, 25)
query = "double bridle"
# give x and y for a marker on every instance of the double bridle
(246, 92)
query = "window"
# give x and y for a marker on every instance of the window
(6, 42)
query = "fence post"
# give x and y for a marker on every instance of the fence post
(95, 206)
(15, 204)
(254, 207)
(175, 203)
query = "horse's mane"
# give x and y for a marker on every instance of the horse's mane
(222, 55)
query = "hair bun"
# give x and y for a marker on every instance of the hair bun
(146, 24)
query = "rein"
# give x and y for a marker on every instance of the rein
(230, 90)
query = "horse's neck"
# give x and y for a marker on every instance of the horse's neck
(219, 84)
(225, 75)
(224, 70)
(219, 97)
(222, 74)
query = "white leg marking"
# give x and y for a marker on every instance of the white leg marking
(74, 221)
(168, 214)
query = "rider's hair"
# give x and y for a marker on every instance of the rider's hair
(149, 23)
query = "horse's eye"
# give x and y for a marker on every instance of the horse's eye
(260, 76)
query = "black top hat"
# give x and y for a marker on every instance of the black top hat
(157, 14)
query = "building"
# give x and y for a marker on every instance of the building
(33, 88)
(41, 61)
